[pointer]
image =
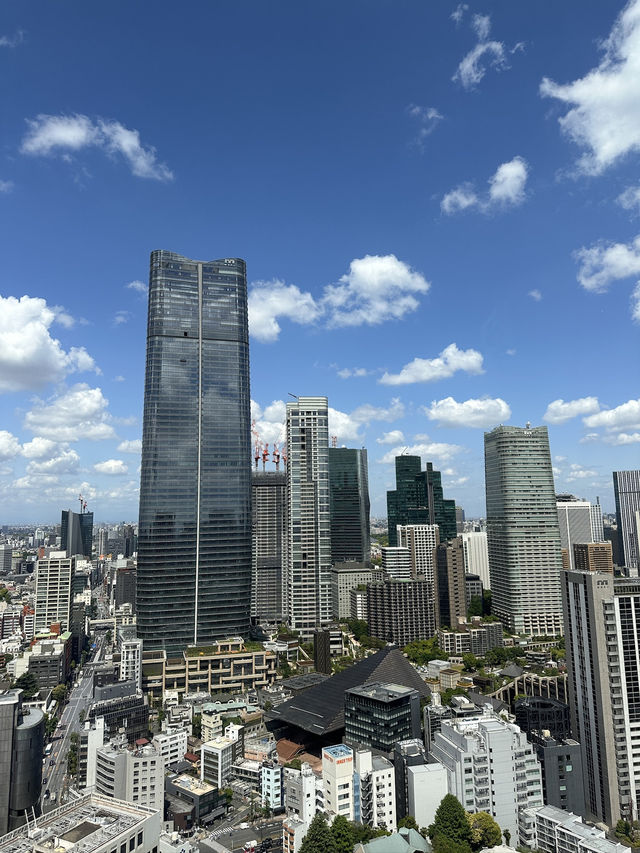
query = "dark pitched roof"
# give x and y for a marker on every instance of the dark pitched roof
(320, 709)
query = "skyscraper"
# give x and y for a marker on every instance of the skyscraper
(523, 537)
(580, 521)
(349, 505)
(450, 585)
(21, 745)
(76, 533)
(308, 591)
(268, 542)
(626, 489)
(54, 591)
(194, 533)
(418, 499)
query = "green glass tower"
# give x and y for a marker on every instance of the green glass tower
(349, 505)
(419, 499)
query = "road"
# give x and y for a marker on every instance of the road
(235, 838)
(53, 778)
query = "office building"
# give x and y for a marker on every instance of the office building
(300, 793)
(271, 785)
(125, 591)
(54, 579)
(194, 532)
(217, 756)
(132, 775)
(579, 522)
(358, 608)
(432, 716)
(460, 519)
(603, 651)
(6, 557)
(473, 589)
(322, 650)
(171, 746)
(418, 499)
(427, 786)
(92, 738)
(476, 556)
(400, 611)
(308, 580)
(396, 562)
(91, 823)
(523, 536)
(268, 543)
(349, 505)
(21, 746)
(549, 829)
(539, 714)
(421, 541)
(593, 557)
(130, 659)
(379, 715)
(337, 780)
(451, 583)
(76, 533)
(344, 578)
(191, 802)
(612, 535)
(406, 753)
(124, 709)
(626, 490)
(491, 767)
(561, 766)
(375, 790)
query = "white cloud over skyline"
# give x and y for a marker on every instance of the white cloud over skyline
(450, 361)
(559, 411)
(480, 413)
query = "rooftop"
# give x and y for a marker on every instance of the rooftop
(382, 692)
(339, 751)
(190, 783)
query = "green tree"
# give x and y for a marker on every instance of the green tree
(408, 822)
(470, 662)
(486, 602)
(28, 683)
(50, 724)
(507, 837)
(362, 832)
(451, 821)
(485, 832)
(196, 725)
(342, 835)
(423, 651)
(475, 606)
(228, 793)
(294, 764)
(5, 595)
(59, 693)
(440, 844)
(319, 838)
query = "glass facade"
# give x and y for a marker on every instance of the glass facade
(418, 499)
(76, 533)
(349, 505)
(194, 534)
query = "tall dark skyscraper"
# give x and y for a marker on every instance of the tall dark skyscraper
(76, 533)
(269, 543)
(626, 489)
(194, 532)
(419, 499)
(349, 505)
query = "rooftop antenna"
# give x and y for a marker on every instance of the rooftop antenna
(334, 441)
(295, 396)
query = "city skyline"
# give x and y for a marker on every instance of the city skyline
(350, 194)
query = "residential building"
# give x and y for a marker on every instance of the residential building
(171, 746)
(76, 533)
(561, 765)
(194, 532)
(579, 522)
(476, 556)
(375, 790)
(473, 588)
(300, 793)
(396, 562)
(549, 829)
(53, 596)
(268, 543)
(475, 637)
(406, 753)
(593, 557)
(337, 779)
(132, 775)
(91, 822)
(602, 652)
(626, 490)
(432, 716)
(92, 738)
(358, 608)
(379, 715)
(421, 540)
(21, 747)
(218, 756)
(344, 578)
(349, 505)
(271, 785)
(523, 536)
(490, 767)
(427, 786)
(400, 611)
(450, 584)
(308, 591)
(130, 659)
(418, 499)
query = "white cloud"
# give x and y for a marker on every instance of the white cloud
(483, 412)
(506, 189)
(377, 288)
(121, 317)
(604, 115)
(630, 199)
(138, 286)
(622, 438)
(578, 472)
(12, 41)
(269, 422)
(111, 466)
(119, 378)
(428, 119)
(269, 300)
(77, 413)
(393, 437)
(589, 438)
(450, 360)
(536, 295)
(357, 372)
(130, 446)
(621, 418)
(487, 53)
(39, 448)
(9, 445)
(30, 357)
(458, 13)
(347, 426)
(510, 352)
(559, 411)
(66, 462)
(428, 450)
(481, 24)
(48, 135)
(6, 186)
(604, 263)
(635, 303)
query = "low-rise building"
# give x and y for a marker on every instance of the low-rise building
(474, 636)
(549, 829)
(192, 802)
(427, 785)
(272, 785)
(375, 790)
(218, 756)
(171, 746)
(134, 775)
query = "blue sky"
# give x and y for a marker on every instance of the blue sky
(439, 206)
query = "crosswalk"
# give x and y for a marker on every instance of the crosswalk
(218, 832)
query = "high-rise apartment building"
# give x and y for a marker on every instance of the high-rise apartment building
(308, 592)
(421, 541)
(54, 580)
(268, 542)
(349, 505)
(194, 533)
(593, 557)
(602, 614)
(476, 556)
(451, 583)
(418, 499)
(396, 562)
(401, 611)
(76, 533)
(626, 489)
(523, 537)
(579, 522)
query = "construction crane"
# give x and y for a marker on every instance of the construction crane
(276, 456)
(258, 444)
(265, 456)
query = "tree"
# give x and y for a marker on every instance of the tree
(485, 832)
(408, 822)
(28, 683)
(5, 595)
(507, 837)
(362, 832)
(475, 606)
(196, 725)
(294, 764)
(486, 602)
(422, 652)
(342, 834)
(440, 844)
(319, 838)
(59, 693)
(451, 821)
(470, 662)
